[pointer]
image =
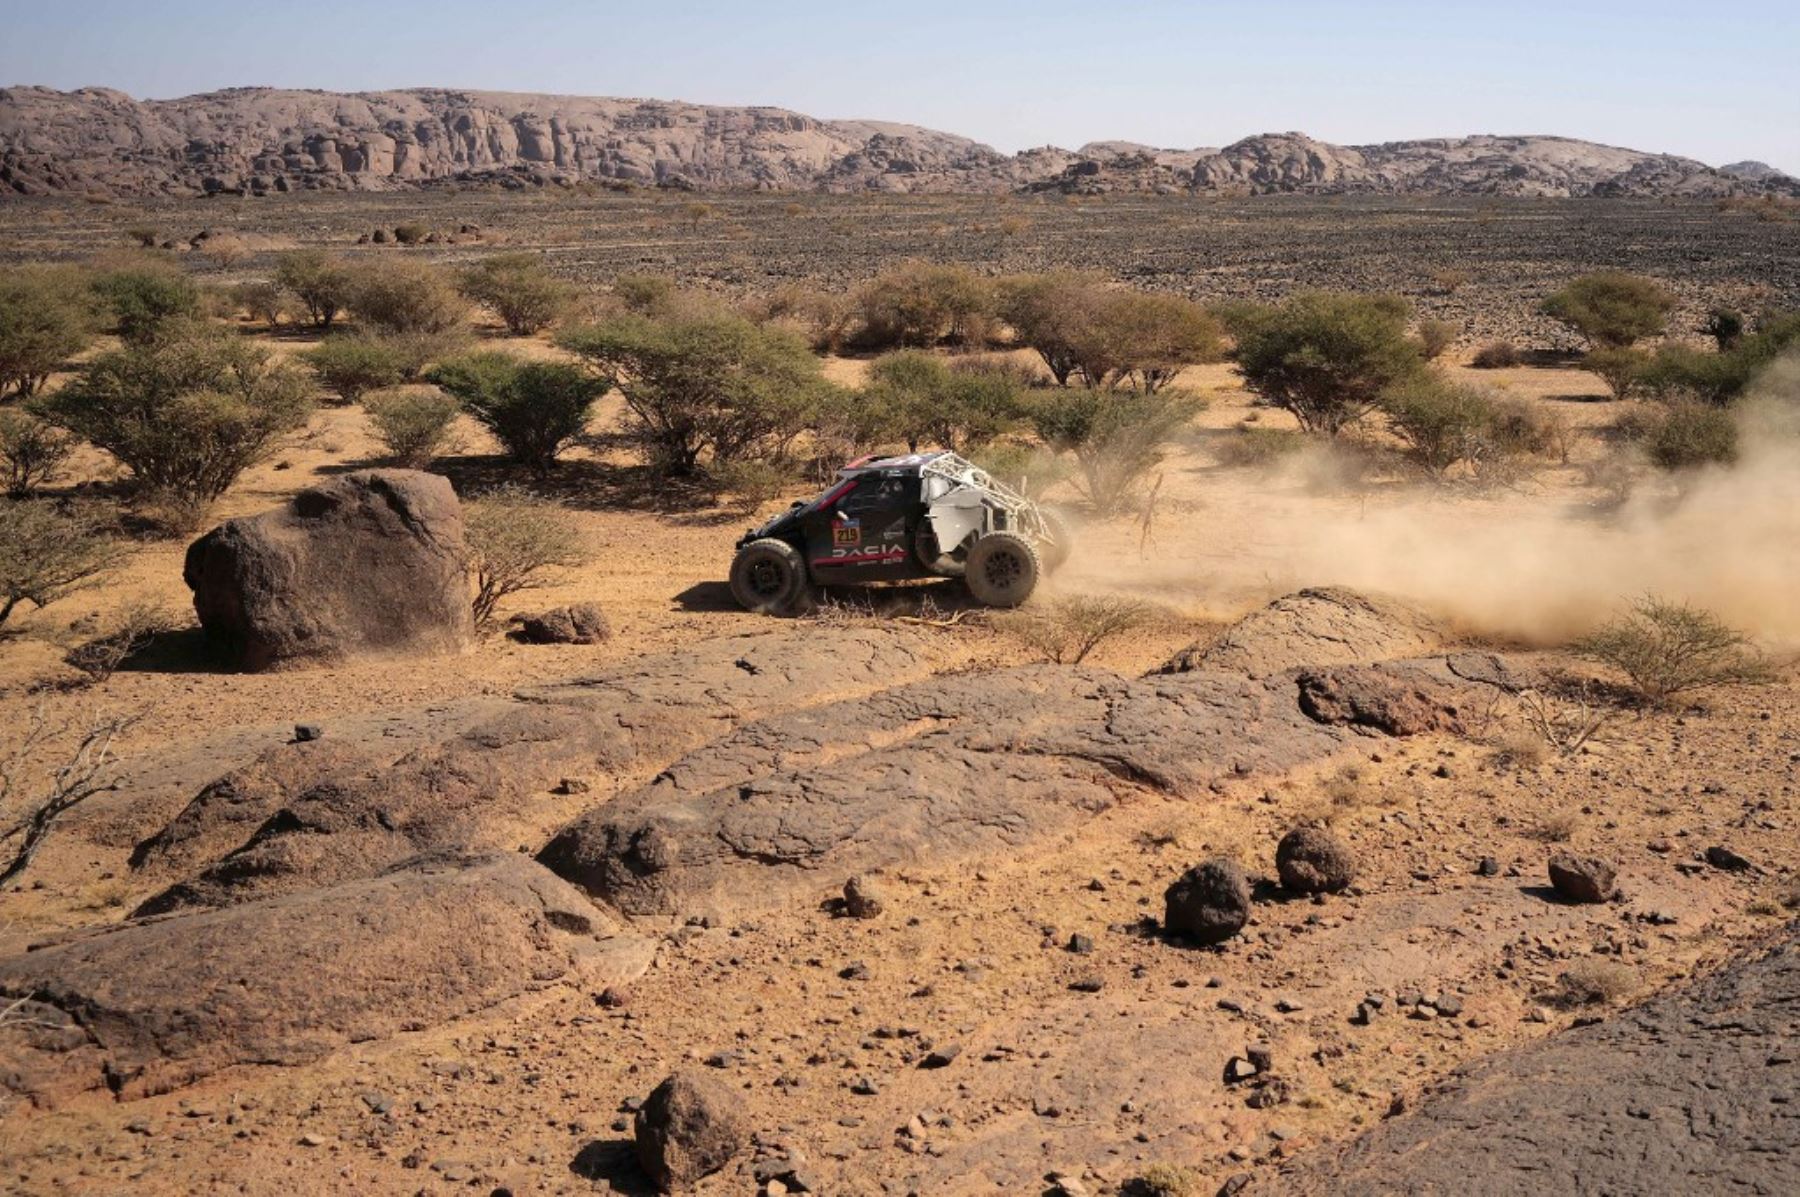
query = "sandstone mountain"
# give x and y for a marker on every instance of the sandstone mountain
(261, 140)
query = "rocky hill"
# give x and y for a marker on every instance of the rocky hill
(261, 140)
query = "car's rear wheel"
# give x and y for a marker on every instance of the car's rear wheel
(769, 577)
(1002, 569)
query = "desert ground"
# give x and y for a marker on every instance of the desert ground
(1011, 1020)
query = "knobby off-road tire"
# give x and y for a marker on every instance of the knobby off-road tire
(1003, 569)
(769, 577)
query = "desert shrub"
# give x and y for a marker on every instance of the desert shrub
(1449, 282)
(1144, 339)
(262, 301)
(322, 283)
(1249, 445)
(1521, 428)
(185, 414)
(130, 632)
(1669, 649)
(1595, 983)
(751, 482)
(1116, 437)
(1168, 1180)
(32, 452)
(1327, 357)
(1612, 310)
(1048, 314)
(406, 297)
(352, 366)
(1621, 369)
(411, 233)
(1441, 420)
(533, 408)
(824, 318)
(1067, 630)
(146, 298)
(45, 320)
(1677, 371)
(520, 290)
(517, 541)
(709, 382)
(418, 351)
(1685, 436)
(915, 397)
(417, 426)
(1435, 337)
(1725, 326)
(47, 553)
(651, 295)
(921, 304)
(1496, 355)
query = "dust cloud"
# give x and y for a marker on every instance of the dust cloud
(1537, 568)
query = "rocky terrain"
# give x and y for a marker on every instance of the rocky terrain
(263, 140)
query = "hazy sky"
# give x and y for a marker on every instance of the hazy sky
(1716, 81)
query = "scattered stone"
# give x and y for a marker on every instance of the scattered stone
(1312, 861)
(1582, 878)
(1721, 857)
(690, 1126)
(1088, 984)
(1080, 944)
(1449, 1005)
(1209, 903)
(863, 898)
(1238, 1070)
(1489, 867)
(941, 1057)
(1261, 1057)
(306, 733)
(581, 623)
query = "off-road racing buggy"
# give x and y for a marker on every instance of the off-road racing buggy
(892, 519)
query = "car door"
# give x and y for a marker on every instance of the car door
(865, 535)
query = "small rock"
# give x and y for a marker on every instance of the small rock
(1209, 903)
(863, 899)
(1080, 944)
(690, 1126)
(941, 1057)
(1489, 867)
(1582, 878)
(1313, 861)
(305, 733)
(1088, 984)
(311, 1140)
(1721, 857)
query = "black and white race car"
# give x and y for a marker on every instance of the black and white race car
(893, 519)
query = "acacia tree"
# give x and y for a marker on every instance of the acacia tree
(44, 321)
(1048, 313)
(1326, 357)
(1144, 340)
(322, 283)
(1611, 309)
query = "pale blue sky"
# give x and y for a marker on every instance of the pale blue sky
(1716, 81)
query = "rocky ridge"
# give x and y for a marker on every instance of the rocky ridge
(264, 140)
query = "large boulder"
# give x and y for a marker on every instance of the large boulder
(147, 1006)
(368, 563)
(1208, 904)
(1320, 626)
(690, 1126)
(1313, 861)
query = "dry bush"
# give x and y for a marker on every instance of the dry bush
(1449, 282)
(47, 553)
(518, 541)
(1117, 438)
(419, 351)
(1558, 828)
(1496, 355)
(1049, 313)
(1621, 369)
(922, 304)
(411, 233)
(262, 301)
(1144, 340)
(1068, 630)
(1670, 649)
(1435, 338)
(1563, 724)
(1029, 469)
(1595, 983)
(520, 290)
(406, 297)
(752, 483)
(1167, 1180)
(322, 283)
(32, 452)
(1442, 421)
(652, 295)
(83, 769)
(1691, 435)
(132, 631)
(1248, 445)
(824, 318)
(417, 426)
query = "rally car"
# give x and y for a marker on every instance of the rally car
(893, 519)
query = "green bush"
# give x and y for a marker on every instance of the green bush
(922, 304)
(1131, 337)
(147, 298)
(406, 297)
(352, 366)
(1677, 371)
(185, 414)
(44, 321)
(915, 397)
(824, 318)
(47, 552)
(1612, 310)
(1726, 327)
(417, 426)
(1049, 313)
(1250, 445)
(418, 351)
(1688, 435)
(1116, 437)
(706, 382)
(525, 295)
(322, 283)
(533, 408)
(32, 452)
(262, 301)
(1436, 337)
(652, 295)
(1621, 369)
(1442, 421)
(1326, 358)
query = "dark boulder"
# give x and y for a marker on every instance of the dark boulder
(582, 623)
(1582, 878)
(369, 563)
(1208, 904)
(690, 1126)
(1313, 861)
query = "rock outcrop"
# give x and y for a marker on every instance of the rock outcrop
(1313, 628)
(370, 563)
(260, 141)
(151, 1005)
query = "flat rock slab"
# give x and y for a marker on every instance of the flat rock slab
(931, 772)
(321, 813)
(1692, 1092)
(148, 1006)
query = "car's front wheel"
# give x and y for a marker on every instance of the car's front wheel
(769, 577)
(1002, 569)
